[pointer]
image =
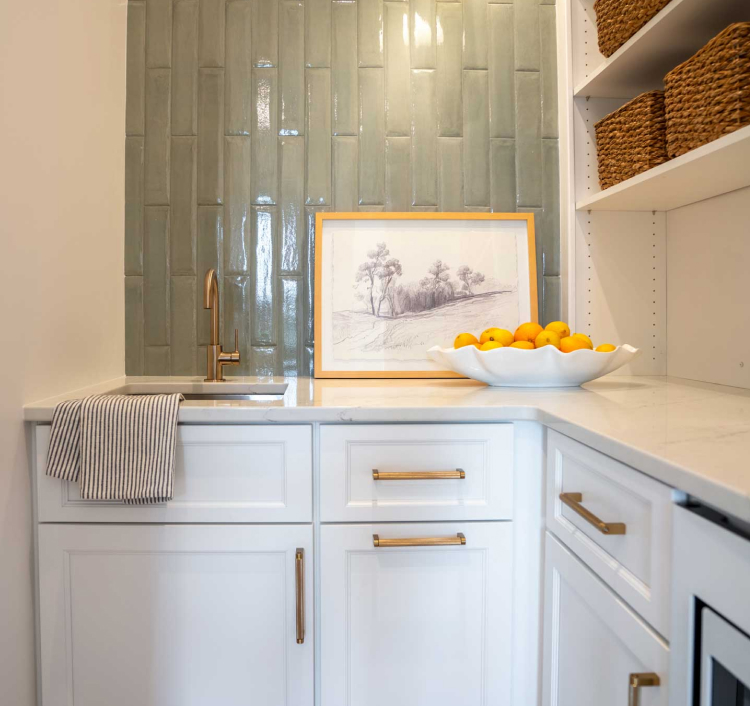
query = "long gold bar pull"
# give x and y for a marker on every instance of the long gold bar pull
(299, 575)
(573, 501)
(638, 680)
(458, 474)
(458, 540)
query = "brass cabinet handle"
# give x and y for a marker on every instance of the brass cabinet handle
(419, 541)
(636, 681)
(573, 501)
(458, 474)
(299, 575)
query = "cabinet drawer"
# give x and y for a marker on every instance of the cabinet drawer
(222, 474)
(464, 472)
(634, 556)
(593, 642)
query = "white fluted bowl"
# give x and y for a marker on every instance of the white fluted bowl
(541, 367)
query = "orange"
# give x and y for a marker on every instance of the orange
(571, 343)
(583, 337)
(465, 339)
(525, 345)
(527, 332)
(497, 334)
(489, 345)
(547, 338)
(605, 348)
(559, 327)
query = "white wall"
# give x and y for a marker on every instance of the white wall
(62, 127)
(708, 290)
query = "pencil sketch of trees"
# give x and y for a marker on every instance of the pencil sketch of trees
(469, 278)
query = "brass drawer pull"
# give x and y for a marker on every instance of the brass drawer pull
(636, 681)
(573, 501)
(459, 539)
(299, 575)
(458, 474)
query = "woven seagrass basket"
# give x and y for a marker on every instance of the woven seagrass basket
(708, 95)
(632, 140)
(618, 20)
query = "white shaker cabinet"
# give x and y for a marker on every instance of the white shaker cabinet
(416, 625)
(593, 642)
(176, 615)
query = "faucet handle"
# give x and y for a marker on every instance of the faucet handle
(233, 358)
(236, 341)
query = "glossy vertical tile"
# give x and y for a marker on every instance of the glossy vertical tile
(308, 304)
(397, 173)
(397, 74)
(292, 67)
(552, 300)
(133, 205)
(550, 221)
(423, 38)
(476, 21)
(371, 137)
(370, 33)
(237, 213)
(476, 138)
(503, 175)
(449, 74)
(317, 33)
(185, 68)
(345, 173)
(210, 256)
(210, 136)
(156, 361)
(424, 138)
(135, 83)
(528, 139)
(290, 327)
(184, 205)
(265, 130)
(159, 34)
(450, 174)
(239, 67)
(156, 276)
(526, 30)
(211, 27)
(292, 158)
(344, 67)
(265, 235)
(134, 325)
(318, 166)
(263, 361)
(237, 307)
(549, 70)
(156, 144)
(265, 42)
(183, 339)
(502, 72)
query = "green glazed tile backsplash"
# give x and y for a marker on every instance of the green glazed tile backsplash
(244, 118)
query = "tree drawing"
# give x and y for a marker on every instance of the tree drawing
(381, 267)
(386, 272)
(366, 273)
(469, 277)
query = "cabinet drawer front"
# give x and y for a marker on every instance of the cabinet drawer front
(635, 560)
(222, 474)
(423, 625)
(350, 454)
(593, 642)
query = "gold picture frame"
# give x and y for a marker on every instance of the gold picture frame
(322, 371)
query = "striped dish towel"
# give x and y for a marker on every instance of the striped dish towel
(120, 447)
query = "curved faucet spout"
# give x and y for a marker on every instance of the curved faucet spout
(211, 301)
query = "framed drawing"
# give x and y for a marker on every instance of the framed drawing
(388, 286)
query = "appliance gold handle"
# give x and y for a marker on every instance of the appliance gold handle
(636, 681)
(299, 575)
(573, 501)
(458, 474)
(458, 540)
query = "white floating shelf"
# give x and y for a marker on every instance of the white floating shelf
(673, 36)
(714, 169)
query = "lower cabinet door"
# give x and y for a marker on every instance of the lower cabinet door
(595, 647)
(176, 615)
(416, 625)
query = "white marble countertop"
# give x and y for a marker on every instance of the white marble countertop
(692, 436)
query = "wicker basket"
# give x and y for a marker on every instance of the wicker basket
(618, 20)
(708, 95)
(632, 139)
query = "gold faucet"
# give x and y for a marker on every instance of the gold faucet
(216, 357)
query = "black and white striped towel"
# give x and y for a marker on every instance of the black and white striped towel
(120, 447)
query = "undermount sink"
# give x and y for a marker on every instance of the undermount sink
(219, 397)
(196, 389)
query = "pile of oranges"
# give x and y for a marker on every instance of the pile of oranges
(529, 336)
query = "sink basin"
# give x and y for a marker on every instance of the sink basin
(218, 397)
(195, 388)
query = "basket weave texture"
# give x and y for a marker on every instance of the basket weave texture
(618, 20)
(632, 140)
(708, 95)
